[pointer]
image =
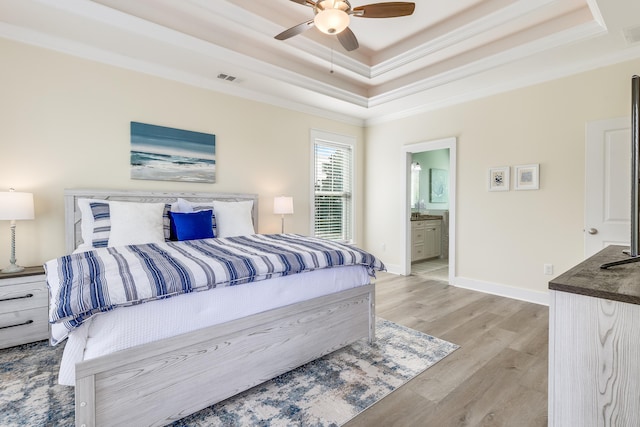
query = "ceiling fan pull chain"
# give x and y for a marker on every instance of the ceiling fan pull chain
(331, 71)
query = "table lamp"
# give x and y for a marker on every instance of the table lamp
(283, 205)
(14, 206)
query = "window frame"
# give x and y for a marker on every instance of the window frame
(317, 137)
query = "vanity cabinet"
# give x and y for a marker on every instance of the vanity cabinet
(23, 307)
(426, 239)
(594, 343)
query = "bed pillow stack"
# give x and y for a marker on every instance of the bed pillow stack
(107, 223)
(228, 219)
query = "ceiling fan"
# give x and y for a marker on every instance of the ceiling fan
(332, 17)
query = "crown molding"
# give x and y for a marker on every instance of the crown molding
(508, 85)
(572, 35)
(466, 32)
(133, 25)
(347, 103)
(67, 47)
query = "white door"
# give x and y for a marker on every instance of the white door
(608, 184)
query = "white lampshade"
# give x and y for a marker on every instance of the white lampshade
(331, 17)
(15, 205)
(283, 205)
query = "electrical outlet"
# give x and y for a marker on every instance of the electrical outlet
(548, 269)
(384, 247)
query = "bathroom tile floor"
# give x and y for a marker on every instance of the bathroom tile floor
(435, 268)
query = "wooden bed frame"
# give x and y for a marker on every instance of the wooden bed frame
(158, 383)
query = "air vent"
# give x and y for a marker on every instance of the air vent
(632, 34)
(226, 77)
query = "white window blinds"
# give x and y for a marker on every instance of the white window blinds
(333, 198)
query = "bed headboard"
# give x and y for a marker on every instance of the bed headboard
(72, 217)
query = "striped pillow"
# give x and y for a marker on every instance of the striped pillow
(101, 224)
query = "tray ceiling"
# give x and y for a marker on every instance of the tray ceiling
(445, 52)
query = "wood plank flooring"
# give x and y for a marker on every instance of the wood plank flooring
(497, 378)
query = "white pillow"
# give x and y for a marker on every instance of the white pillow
(233, 218)
(182, 205)
(136, 223)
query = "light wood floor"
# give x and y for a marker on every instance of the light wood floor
(497, 378)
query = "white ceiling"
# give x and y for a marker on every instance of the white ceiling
(446, 52)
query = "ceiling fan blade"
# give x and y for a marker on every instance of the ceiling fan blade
(304, 2)
(294, 31)
(348, 39)
(385, 10)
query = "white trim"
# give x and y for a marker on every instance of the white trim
(84, 51)
(407, 150)
(580, 32)
(351, 105)
(133, 25)
(351, 141)
(597, 16)
(395, 269)
(527, 295)
(466, 32)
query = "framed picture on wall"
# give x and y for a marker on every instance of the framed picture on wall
(527, 177)
(499, 178)
(439, 186)
(166, 154)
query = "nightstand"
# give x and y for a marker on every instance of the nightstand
(23, 307)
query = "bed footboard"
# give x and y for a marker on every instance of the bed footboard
(161, 382)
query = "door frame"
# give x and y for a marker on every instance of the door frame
(407, 151)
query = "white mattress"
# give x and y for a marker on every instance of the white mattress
(130, 326)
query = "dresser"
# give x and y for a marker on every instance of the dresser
(23, 307)
(594, 344)
(426, 239)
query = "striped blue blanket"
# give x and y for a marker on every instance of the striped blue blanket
(86, 283)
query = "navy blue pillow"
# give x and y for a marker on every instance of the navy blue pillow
(192, 225)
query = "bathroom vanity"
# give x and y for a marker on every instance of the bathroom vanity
(426, 237)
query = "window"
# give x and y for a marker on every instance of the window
(415, 185)
(332, 186)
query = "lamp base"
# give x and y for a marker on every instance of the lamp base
(13, 268)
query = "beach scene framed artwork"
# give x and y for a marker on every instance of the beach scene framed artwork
(166, 154)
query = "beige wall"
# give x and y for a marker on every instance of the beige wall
(65, 124)
(503, 238)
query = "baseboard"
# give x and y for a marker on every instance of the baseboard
(535, 297)
(527, 295)
(394, 269)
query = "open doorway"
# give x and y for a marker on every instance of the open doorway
(430, 189)
(430, 214)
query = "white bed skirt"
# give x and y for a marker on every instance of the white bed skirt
(131, 326)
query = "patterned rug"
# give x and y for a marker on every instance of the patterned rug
(326, 392)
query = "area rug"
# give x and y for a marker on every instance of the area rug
(326, 392)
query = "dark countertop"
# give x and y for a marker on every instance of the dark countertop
(619, 283)
(426, 217)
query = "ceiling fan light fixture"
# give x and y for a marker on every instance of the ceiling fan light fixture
(331, 16)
